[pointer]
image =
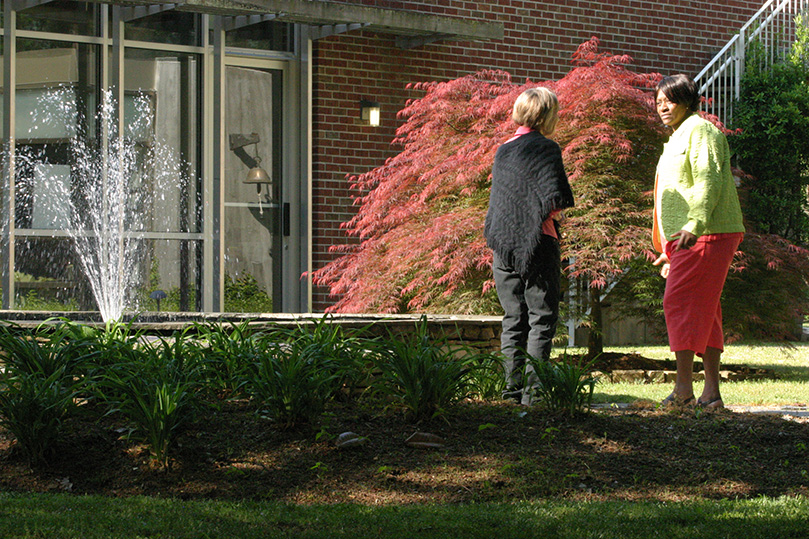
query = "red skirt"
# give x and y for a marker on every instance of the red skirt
(693, 290)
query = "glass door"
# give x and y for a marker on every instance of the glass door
(253, 220)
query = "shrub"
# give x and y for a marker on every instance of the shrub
(229, 349)
(33, 407)
(40, 378)
(563, 386)
(289, 384)
(330, 344)
(245, 295)
(426, 374)
(156, 391)
(772, 140)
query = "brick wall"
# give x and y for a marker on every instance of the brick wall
(540, 36)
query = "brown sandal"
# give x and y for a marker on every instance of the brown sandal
(674, 401)
(715, 404)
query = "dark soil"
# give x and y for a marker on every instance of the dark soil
(492, 452)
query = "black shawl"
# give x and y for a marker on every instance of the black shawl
(528, 183)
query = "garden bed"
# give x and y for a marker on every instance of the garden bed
(491, 452)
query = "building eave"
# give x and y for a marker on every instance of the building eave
(324, 13)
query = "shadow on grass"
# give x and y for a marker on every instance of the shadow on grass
(63, 516)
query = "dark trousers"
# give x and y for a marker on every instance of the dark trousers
(531, 313)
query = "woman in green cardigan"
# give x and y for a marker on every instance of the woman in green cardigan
(697, 229)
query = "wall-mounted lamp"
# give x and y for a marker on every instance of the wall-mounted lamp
(370, 112)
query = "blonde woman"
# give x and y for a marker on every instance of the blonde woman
(529, 189)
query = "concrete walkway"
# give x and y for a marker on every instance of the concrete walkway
(798, 412)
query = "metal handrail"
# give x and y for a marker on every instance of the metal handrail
(720, 80)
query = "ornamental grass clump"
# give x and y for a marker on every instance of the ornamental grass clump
(291, 385)
(343, 351)
(41, 376)
(227, 351)
(156, 391)
(427, 374)
(563, 386)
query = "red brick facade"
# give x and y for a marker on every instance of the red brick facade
(663, 36)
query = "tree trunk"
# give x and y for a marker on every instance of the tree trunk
(595, 341)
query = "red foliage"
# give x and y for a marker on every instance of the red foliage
(420, 219)
(612, 138)
(766, 292)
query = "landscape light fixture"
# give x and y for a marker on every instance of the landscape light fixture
(370, 112)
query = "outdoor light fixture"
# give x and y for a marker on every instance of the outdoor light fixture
(369, 112)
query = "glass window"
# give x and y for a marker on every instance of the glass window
(48, 277)
(56, 96)
(174, 268)
(252, 219)
(162, 119)
(268, 35)
(166, 27)
(61, 17)
(59, 274)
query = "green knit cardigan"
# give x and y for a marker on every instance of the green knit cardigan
(695, 190)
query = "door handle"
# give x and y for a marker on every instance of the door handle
(285, 220)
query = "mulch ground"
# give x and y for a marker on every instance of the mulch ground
(492, 452)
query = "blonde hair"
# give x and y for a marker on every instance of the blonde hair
(538, 109)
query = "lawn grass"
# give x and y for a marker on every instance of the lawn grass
(789, 364)
(88, 517)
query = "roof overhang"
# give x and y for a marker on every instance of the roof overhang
(412, 27)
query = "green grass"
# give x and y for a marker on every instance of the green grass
(789, 364)
(87, 517)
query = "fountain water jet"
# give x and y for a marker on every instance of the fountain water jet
(107, 204)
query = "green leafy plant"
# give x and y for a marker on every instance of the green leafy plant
(290, 385)
(326, 342)
(563, 386)
(156, 391)
(41, 375)
(245, 295)
(44, 349)
(33, 407)
(488, 381)
(771, 141)
(229, 349)
(426, 374)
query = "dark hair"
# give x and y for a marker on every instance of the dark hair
(680, 89)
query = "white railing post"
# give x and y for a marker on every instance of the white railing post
(720, 80)
(741, 48)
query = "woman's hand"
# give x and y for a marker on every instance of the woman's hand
(684, 239)
(663, 259)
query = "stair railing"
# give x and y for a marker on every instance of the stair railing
(774, 27)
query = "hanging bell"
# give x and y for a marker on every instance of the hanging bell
(258, 176)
